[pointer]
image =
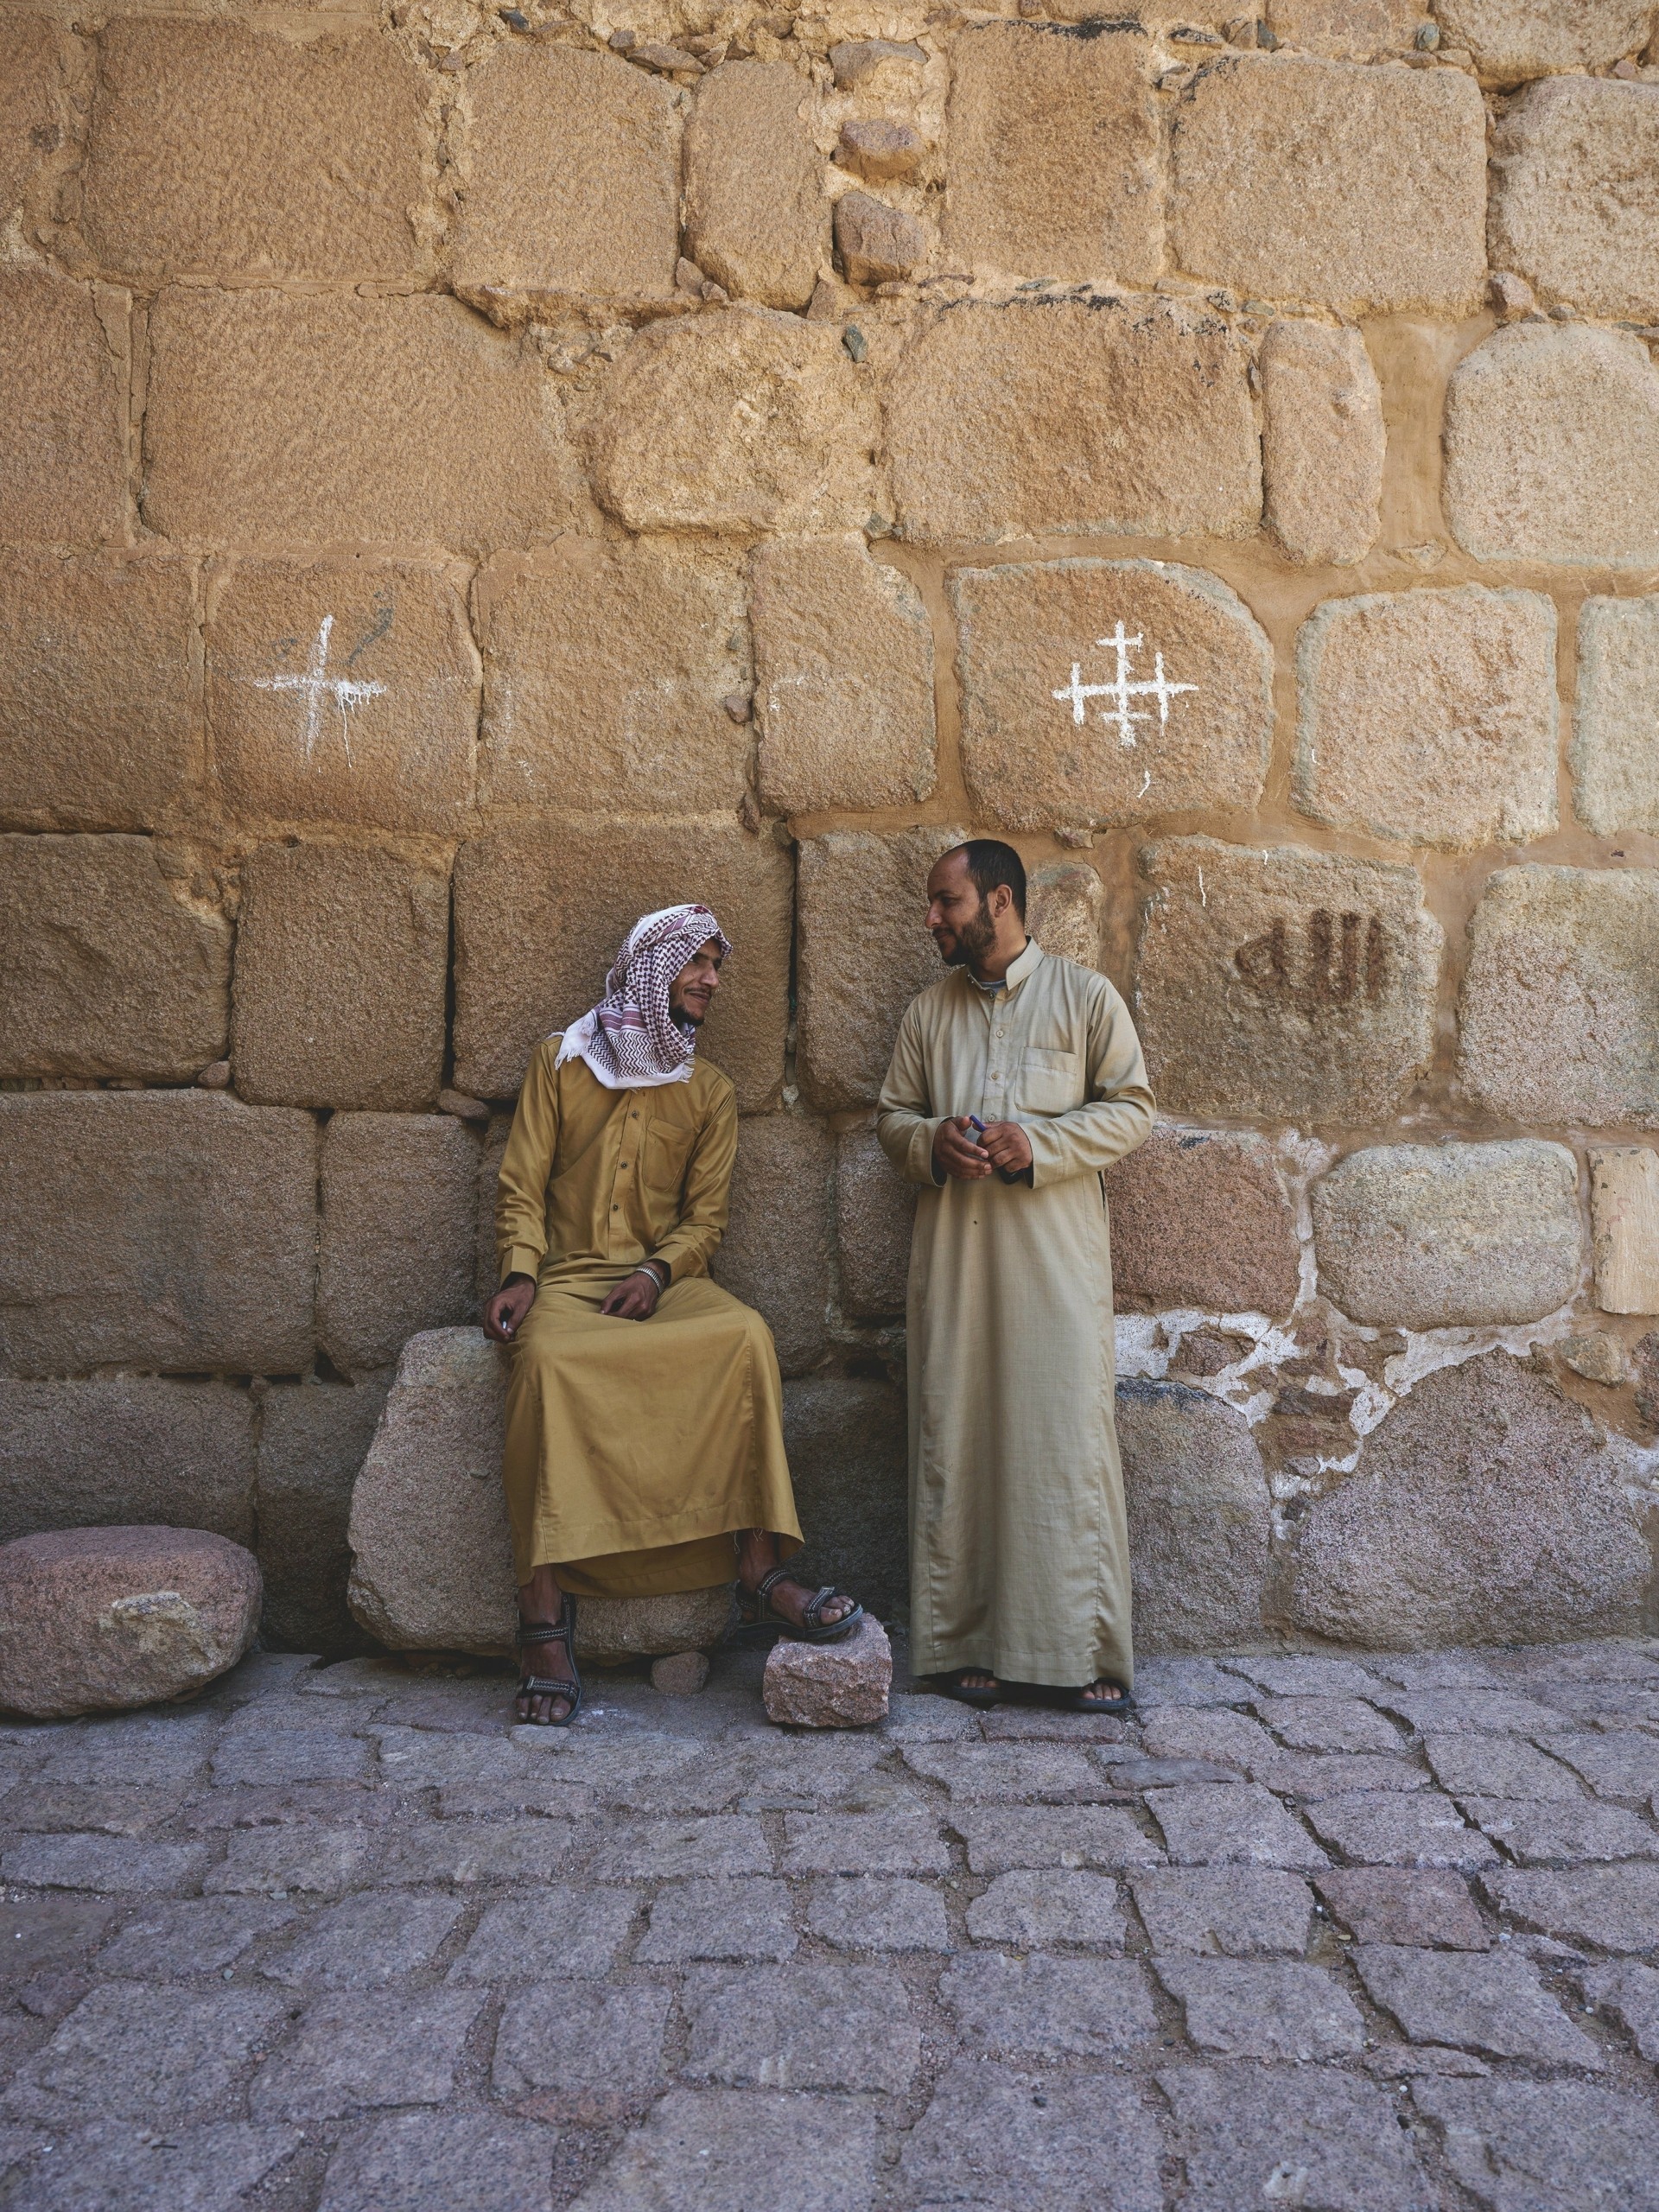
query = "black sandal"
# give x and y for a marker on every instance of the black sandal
(1080, 1700)
(955, 1686)
(563, 1631)
(760, 1617)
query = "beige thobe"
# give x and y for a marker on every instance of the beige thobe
(1019, 1545)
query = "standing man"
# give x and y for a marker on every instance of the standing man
(1015, 1080)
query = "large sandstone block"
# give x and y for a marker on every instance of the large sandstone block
(1484, 1511)
(875, 1209)
(313, 1441)
(127, 1448)
(847, 1444)
(1323, 442)
(1552, 448)
(1066, 911)
(216, 150)
(574, 890)
(606, 665)
(1054, 152)
(106, 968)
(34, 103)
(1095, 418)
(1200, 1519)
(1200, 1218)
(1449, 1236)
(98, 711)
(396, 1253)
(1291, 984)
(170, 1229)
(756, 218)
(1575, 196)
(572, 176)
(1097, 692)
(1615, 721)
(843, 695)
(1512, 40)
(341, 956)
(1429, 717)
(343, 690)
(775, 1254)
(276, 418)
(1624, 1227)
(864, 954)
(63, 459)
(740, 422)
(1364, 188)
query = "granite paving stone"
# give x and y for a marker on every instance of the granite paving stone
(1313, 1776)
(1050, 1724)
(581, 2050)
(293, 1755)
(1492, 2002)
(697, 2152)
(1605, 1701)
(473, 1850)
(623, 1851)
(1328, 1723)
(1233, 1912)
(1497, 1766)
(1609, 1659)
(1246, 2008)
(554, 1933)
(140, 1752)
(366, 2048)
(1006, 1774)
(366, 1942)
(179, 1941)
(1405, 1904)
(813, 2027)
(280, 1712)
(1547, 2146)
(1187, 1681)
(784, 1777)
(1453, 1712)
(1615, 1908)
(277, 1862)
(1300, 1675)
(1039, 1908)
(113, 2166)
(1230, 1824)
(1382, 1828)
(877, 1912)
(419, 1758)
(463, 2161)
(864, 1843)
(1629, 1993)
(66, 1807)
(992, 2137)
(1132, 1770)
(161, 2056)
(48, 1930)
(913, 1719)
(1621, 1763)
(327, 1804)
(1540, 1832)
(730, 1917)
(601, 1764)
(1448, 1668)
(1317, 2137)
(1214, 1732)
(1053, 1835)
(105, 1864)
(1043, 2007)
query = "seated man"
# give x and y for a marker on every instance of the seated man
(637, 1458)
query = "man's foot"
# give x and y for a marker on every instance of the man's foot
(792, 1599)
(548, 1661)
(973, 1686)
(1104, 1696)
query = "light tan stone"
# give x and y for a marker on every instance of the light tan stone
(844, 679)
(1323, 442)
(1054, 153)
(167, 1229)
(1514, 39)
(874, 1208)
(742, 421)
(756, 219)
(338, 998)
(1598, 1356)
(396, 1253)
(127, 1448)
(880, 150)
(106, 968)
(1066, 911)
(1301, 179)
(98, 712)
(1016, 419)
(276, 419)
(343, 691)
(1615, 751)
(1575, 194)
(574, 890)
(34, 103)
(1200, 1519)
(1449, 1236)
(864, 954)
(1552, 448)
(1624, 1227)
(877, 244)
(1429, 717)
(1558, 1015)
(313, 1441)
(1046, 740)
(572, 176)
(1291, 984)
(605, 667)
(856, 61)
(63, 465)
(1345, 30)
(218, 150)
(775, 1254)
(1199, 1219)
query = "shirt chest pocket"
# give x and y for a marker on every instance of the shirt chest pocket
(667, 1149)
(1047, 1081)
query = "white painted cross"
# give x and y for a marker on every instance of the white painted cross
(347, 691)
(1121, 688)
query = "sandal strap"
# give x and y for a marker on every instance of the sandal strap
(769, 1581)
(541, 1685)
(546, 1633)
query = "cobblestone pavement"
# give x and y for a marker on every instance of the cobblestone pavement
(1359, 1937)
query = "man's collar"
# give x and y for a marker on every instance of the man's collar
(1023, 966)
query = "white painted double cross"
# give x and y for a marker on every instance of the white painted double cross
(346, 691)
(1121, 688)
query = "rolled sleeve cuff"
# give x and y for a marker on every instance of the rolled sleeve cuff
(921, 1166)
(521, 1260)
(1048, 1163)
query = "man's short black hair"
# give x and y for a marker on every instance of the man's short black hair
(990, 862)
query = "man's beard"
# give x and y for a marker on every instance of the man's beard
(685, 1019)
(973, 939)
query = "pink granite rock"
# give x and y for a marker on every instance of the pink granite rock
(831, 1685)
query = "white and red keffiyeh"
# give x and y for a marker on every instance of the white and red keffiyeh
(630, 1039)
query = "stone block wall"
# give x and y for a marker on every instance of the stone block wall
(466, 476)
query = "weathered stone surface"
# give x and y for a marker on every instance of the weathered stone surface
(1553, 1830)
(845, 1439)
(875, 243)
(367, 1941)
(124, 1448)
(844, 679)
(986, 2136)
(605, 667)
(1574, 206)
(1093, 419)
(863, 1843)
(1472, 1765)
(395, 1251)
(736, 1919)
(1048, 2008)
(873, 1912)
(653, 1850)
(1598, 1356)
(472, 1850)
(1616, 1908)
(1488, 2002)
(572, 176)
(368, 2049)
(1230, 1824)
(775, 1253)
(1200, 1218)
(63, 438)
(1346, 30)
(879, 150)
(214, 151)
(756, 219)
(1285, 982)
(1629, 1994)
(1038, 750)
(1322, 443)
(1052, 1835)
(343, 691)
(1200, 1518)
(95, 1620)
(1482, 1511)
(274, 417)
(173, 1230)
(1449, 1236)
(1003, 1773)
(106, 967)
(874, 1208)
(1516, 2144)
(1066, 911)
(339, 992)
(34, 105)
(1037, 1908)
(576, 892)
(1558, 1018)
(695, 2153)
(1429, 717)
(96, 721)
(1552, 447)
(280, 1861)
(1399, 1828)
(1388, 1905)
(1243, 2134)
(1615, 762)
(740, 421)
(811, 2027)
(509, 1942)
(313, 1441)
(1238, 1911)
(471, 2161)
(1617, 1764)
(1283, 168)
(842, 1685)
(158, 2056)
(1245, 2010)
(1516, 39)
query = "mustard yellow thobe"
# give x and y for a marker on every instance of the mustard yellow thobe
(1019, 1546)
(633, 1448)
